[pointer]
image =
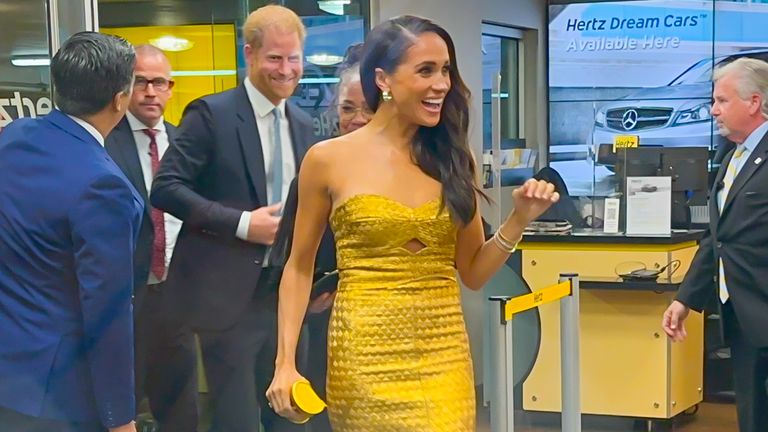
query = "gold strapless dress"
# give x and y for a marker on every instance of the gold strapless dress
(399, 357)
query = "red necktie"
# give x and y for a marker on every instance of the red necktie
(158, 247)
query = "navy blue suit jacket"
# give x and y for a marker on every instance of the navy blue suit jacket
(737, 236)
(212, 173)
(68, 225)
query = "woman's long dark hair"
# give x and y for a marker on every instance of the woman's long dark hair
(442, 151)
(281, 248)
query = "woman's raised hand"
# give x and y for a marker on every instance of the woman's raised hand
(532, 199)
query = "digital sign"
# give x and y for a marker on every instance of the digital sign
(640, 68)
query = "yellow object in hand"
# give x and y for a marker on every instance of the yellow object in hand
(306, 402)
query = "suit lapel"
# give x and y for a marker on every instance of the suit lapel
(714, 207)
(250, 144)
(714, 210)
(170, 130)
(299, 144)
(756, 160)
(128, 157)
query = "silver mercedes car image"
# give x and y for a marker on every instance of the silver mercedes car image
(675, 115)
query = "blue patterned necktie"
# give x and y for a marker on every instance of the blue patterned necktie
(277, 159)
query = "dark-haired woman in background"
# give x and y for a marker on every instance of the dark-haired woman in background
(353, 113)
(402, 200)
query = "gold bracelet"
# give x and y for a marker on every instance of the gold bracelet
(503, 245)
(506, 240)
(503, 241)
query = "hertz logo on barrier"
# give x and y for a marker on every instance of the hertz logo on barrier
(529, 301)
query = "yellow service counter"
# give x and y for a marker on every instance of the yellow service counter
(628, 365)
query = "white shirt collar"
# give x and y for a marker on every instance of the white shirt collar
(261, 105)
(89, 128)
(138, 125)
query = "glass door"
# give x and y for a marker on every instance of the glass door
(25, 81)
(33, 31)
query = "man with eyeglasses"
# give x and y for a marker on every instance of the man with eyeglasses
(164, 348)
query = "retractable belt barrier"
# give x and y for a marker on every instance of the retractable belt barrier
(502, 403)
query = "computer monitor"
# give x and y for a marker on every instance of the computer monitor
(687, 166)
(639, 162)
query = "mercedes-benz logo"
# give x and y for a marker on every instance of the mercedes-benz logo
(629, 119)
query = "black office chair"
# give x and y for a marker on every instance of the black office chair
(565, 208)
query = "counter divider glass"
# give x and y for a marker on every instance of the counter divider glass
(686, 166)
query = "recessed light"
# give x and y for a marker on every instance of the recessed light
(172, 43)
(323, 59)
(335, 7)
(30, 61)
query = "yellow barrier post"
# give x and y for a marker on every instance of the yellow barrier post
(502, 404)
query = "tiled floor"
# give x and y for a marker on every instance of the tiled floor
(711, 417)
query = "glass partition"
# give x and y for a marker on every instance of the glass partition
(25, 79)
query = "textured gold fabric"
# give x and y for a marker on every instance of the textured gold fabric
(398, 353)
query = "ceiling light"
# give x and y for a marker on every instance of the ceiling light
(324, 59)
(333, 2)
(172, 43)
(335, 7)
(220, 72)
(328, 80)
(30, 60)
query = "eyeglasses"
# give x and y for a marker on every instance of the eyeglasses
(349, 111)
(159, 84)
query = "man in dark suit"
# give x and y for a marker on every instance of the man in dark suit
(234, 157)
(165, 349)
(68, 223)
(733, 252)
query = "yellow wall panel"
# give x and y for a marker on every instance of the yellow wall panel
(214, 48)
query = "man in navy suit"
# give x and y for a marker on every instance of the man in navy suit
(165, 349)
(68, 223)
(730, 263)
(226, 176)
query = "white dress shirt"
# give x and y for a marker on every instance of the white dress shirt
(262, 109)
(172, 224)
(89, 128)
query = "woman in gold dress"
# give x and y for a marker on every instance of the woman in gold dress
(353, 113)
(401, 197)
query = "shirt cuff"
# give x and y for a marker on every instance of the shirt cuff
(242, 226)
